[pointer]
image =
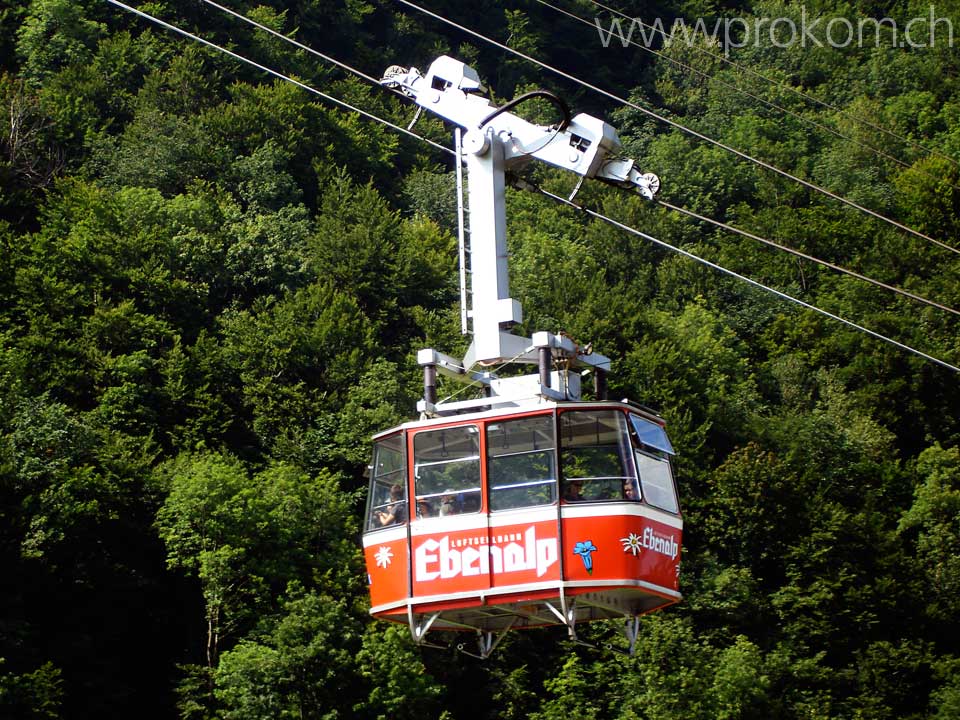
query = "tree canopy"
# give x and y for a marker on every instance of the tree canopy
(213, 284)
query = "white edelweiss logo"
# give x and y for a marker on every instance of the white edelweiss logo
(631, 544)
(383, 556)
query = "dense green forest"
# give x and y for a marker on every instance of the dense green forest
(213, 284)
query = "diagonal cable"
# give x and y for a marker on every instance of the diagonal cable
(316, 53)
(690, 213)
(556, 198)
(782, 86)
(805, 256)
(678, 126)
(276, 74)
(746, 93)
(639, 233)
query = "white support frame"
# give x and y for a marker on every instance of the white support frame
(494, 141)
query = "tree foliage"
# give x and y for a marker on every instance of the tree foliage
(213, 285)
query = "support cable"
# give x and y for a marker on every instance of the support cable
(805, 256)
(782, 86)
(678, 126)
(276, 74)
(566, 113)
(755, 283)
(316, 53)
(556, 198)
(769, 103)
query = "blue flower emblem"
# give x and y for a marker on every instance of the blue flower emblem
(584, 550)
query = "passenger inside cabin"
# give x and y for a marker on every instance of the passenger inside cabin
(573, 491)
(396, 512)
(424, 509)
(630, 490)
(448, 505)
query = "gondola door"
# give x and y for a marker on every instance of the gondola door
(449, 537)
(521, 477)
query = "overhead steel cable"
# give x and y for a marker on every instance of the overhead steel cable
(782, 86)
(679, 126)
(639, 233)
(746, 93)
(675, 208)
(276, 74)
(548, 194)
(316, 53)
(805, 256)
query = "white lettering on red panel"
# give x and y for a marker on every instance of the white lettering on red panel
(651, 540)
(438, 559)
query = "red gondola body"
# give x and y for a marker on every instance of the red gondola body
(515, 549)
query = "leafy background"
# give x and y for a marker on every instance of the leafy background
(213, 286)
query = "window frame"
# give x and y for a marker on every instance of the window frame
(659, 450)
(624, 456)
(433, 497)
(550, 451)
(378, 492)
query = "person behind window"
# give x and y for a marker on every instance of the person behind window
(396, 512)
(630, 491)
(424, 509)
(448, 505)
(573, 491)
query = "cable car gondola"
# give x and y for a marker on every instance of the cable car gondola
(549, 513)
(529, 506)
